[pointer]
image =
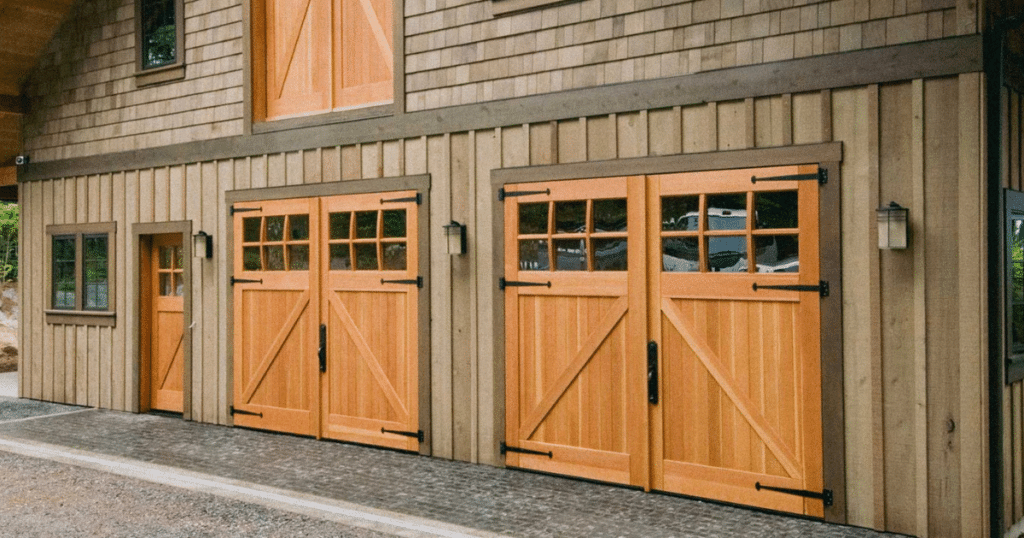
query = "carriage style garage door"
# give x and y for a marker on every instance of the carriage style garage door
(325, 323)
(664, 332)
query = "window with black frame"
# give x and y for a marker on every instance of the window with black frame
(81, 271)
(159, 29)
(1014, 240)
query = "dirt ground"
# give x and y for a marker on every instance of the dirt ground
(9, 313)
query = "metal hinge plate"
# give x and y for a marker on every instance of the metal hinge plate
(502, 193)
(418, 434)
(505, 448)
(822, 288)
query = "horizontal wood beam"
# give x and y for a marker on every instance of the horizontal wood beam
(12, 104)
(942, 57)
(8, 176)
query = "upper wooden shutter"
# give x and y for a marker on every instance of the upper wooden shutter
(363, 57)
(298, 65)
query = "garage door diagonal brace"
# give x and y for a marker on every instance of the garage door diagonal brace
(825, 496)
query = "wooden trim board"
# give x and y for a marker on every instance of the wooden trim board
(917, 60)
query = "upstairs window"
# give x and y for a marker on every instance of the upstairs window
(1014, 270)
(160, 41)
(313, 56)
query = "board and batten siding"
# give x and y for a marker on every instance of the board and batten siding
(913, 320)
(1013, 394)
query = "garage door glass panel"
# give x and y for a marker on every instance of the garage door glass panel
(609, 215)
(727, 212)
(251, 259)
(610, 254)
(777, 253)
(533, 218)
(274, 257)
(366, 224)
(394, 256)
(341, 259)
(727, 254)
(680, 213)
(366, 257)
(776, 209)
(298, 257)
(394, 223)
(275, 228)
(570, 217)
(571, 254)
(533, 255)
(298, 227)
(251, 229)
(339, 225)
(680, 254)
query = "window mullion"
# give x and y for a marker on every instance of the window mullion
(79, 272)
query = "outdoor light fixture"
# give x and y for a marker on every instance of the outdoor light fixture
(202, 245)
(892, 226)
(456, 235)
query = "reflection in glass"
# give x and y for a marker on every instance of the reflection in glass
(610, 215)
(366, 257)
(1018, 325)
(251, 229)
(366, 224)
(165, 257)
(775, 209)
(1016, 255)
(298, 227)
(275, 228)
(394, 256)
(570, 217)
(179, 261)
(680, 213)
(533, 255)
(94, 278)
(570, 255)
(777, 254)
(251, 259)
(179, 284)
(727, 211)
(340, 258)
(394, 223)
(680, 254)
(533, 218)
(727, 254)
(274, 257)
(298, 257)
(64, 273)
(339, 223)
(610, 254)
(166, 284)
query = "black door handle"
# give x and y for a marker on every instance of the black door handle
(322, 352)
(652, 372)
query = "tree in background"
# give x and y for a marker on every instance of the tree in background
(8, 242)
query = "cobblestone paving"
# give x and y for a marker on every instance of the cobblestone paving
(476, 496)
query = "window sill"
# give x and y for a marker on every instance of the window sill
(160, 75)
(323, 118)
(81, 317)
(507, 7)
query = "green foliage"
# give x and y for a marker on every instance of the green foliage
(8, 241)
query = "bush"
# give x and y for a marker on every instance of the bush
(8, 242)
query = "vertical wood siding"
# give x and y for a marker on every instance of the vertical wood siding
(913, 320)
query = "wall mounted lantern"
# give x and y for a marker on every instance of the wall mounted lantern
(202, 245)
(892, 226)
(456, 235)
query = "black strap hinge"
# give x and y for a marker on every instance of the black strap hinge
(505, 448)
(418, 199)
(822, 288)
(245, 281)
(502, 193)
(502, 283)
(825, 496)
(418, 281)
(244, 209)
(418, 434)
(821, 177)
(244, 412)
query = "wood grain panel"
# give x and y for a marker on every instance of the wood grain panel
(438, 164)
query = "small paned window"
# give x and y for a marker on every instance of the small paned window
(368, 240)
(275, 243)
(573, 235)
(1014, 244)
(81, 274)
(159, 41)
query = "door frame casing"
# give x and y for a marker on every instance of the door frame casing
(828, 156)
(418, 183)
(142, 234)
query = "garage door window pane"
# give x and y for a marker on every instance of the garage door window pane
(533, 218)
(571, 254)
(339, 224)
(366, 257)
(366, 224)
(251, 229)
(776, 209)
(394, 223)
(340, 258)
(251, 259)
(610, 254)
(680, 213)
(275, 258)
(727, 254)
(777, 254)
(533, 255)
(680, 254)
(727, 212)
(298, 227)
(275, 228)
(394, 256)
(570, 217)
(610, 215)
(298, 257)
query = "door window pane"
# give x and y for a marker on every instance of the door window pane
(776, 209)
(570, 217)
(339, 224)
(366, 257)
(298, 227)
(366, 224)
(166, 255)
(394, 256)
(727, 254)
(275, 228)
(610, 254)
(680, 254)
(571, 255)
(394, 223)
(179, 284)
(777, 253)
(680, 213)
(533, 218)
(274, 257)
(340, 258)
(298, 257)
(727, 211)
(166, 284)
(610, 215)
(251, 229)
(251, 259)
(533, 255)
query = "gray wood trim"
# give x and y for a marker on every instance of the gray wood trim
(505, 7)
(689, 162)
(141, 233)
(833, 424)
(419, 183)
(81, 316)
(247, 105)
(398, 50)
(159, 76)
(322, 119)
(179, 22)
(941, 57)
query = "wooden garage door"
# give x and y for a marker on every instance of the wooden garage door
(653, 279)
(326, 319)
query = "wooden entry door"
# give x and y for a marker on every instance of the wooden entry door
(276, 316)
(326, 317)
(739, 345)
(166, 319)
(640, 351)
(368, 307)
